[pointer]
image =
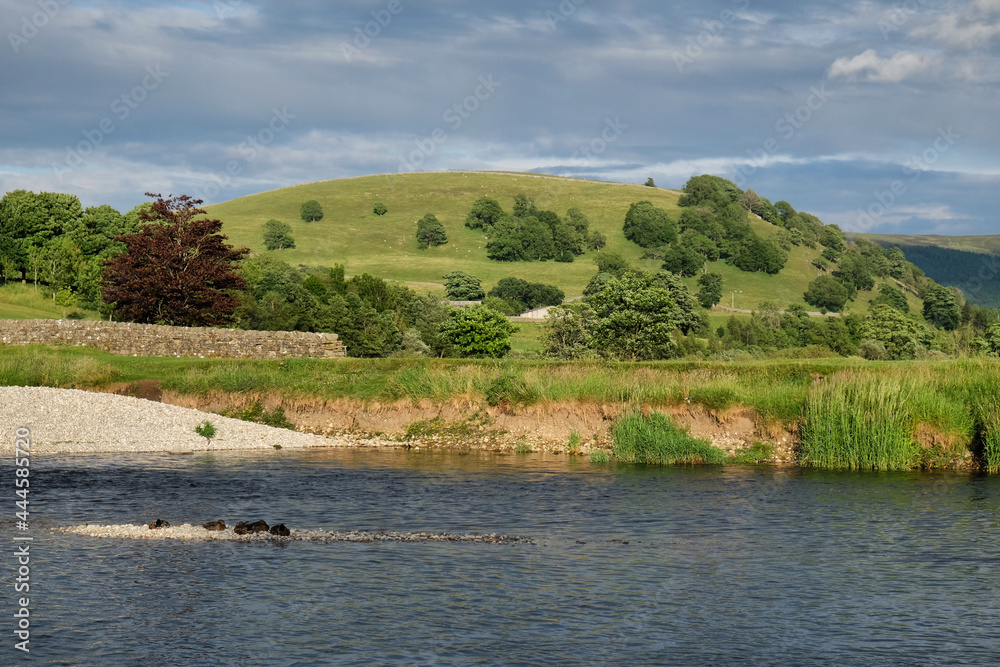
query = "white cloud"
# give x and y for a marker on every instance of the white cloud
(971, 26)
(868, 66)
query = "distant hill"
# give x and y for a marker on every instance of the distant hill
(971, 263)
(385, 246)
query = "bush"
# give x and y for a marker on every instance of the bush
(529, 295)
(657, 440)
(380, 209)
(872, 350)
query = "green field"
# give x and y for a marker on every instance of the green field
(988, 244)
(24, 302)
(351, 234)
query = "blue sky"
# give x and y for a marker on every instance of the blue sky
(878, 116)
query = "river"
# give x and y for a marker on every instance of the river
(629, 565)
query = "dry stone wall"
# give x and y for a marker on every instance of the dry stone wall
(151, 340)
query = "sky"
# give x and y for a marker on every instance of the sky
(879, 116)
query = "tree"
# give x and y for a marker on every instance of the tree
(529, 295)
(941, 308)
(890, 296)
(479, 332)
(524, 207)
(832, 237)
(611, 262)
(635, 319)
(649, 183)
(578, 220)
(463, 287)
(430, 232)
(899, 335)
(649, 226)
(711, 289)
(707, 189)
(311, 211)
(566, 333)
(277, 235)
(826, 292)
(177, 271)
(505, 244)
(682, 260)
(485, 214)
(536, 240)
(380, 209)
(596, 240)
(756, 254)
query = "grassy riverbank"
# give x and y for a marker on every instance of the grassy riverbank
(849, 413)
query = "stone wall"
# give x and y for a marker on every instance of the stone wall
(151, 340)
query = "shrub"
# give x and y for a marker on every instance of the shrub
(380, 209)
(657, 440)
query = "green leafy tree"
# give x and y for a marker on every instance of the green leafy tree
(277, 235)
(462, 286)
(682, 260)
(529, 295)
(757, 254)
(941, 308)
(380, 209)
(898, 334)
(596, 240)
(711, 190)
(613, 263)
(711, 289)
(566, 333)
(536, 240)
(479, 332)
(833, 237)
(485, 214)
(430, 232)
(311, 211)
(826, 292)
(634, 319)
(891, 296)
(650, 183)
(579, 221)
(524, 207)
(506, 244)
(649, 226)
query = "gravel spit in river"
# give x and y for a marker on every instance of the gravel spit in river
(189, 532)
(70, 421)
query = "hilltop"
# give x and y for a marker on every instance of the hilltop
(351, 234)
(971, 263)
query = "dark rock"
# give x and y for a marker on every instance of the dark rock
(159, 523)
(280, 530)
(214, 525)
(243, 528)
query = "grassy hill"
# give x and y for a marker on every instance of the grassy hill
(24, 302)
(351, 234)
(971, 263)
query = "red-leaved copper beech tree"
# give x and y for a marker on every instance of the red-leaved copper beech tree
(176, 270)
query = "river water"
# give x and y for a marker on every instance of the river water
(630, 565)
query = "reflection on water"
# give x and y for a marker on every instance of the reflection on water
(633, 565)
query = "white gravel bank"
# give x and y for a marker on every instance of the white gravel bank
(189, 532)
(69, 420)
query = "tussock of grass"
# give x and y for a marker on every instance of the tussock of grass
(657, 440)
(759, 452)
(858, 422)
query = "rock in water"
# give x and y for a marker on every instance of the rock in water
(214, 525)
(281, 530)
(243, 528)
(159, 523)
